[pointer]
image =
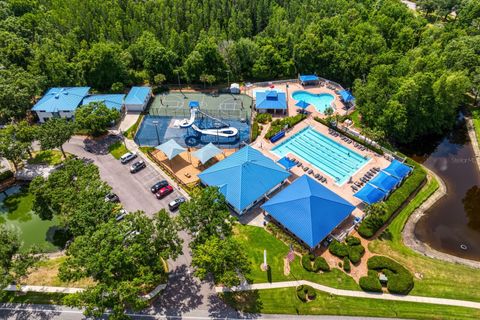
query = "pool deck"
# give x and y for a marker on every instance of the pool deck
(345, 191)
(292, 87)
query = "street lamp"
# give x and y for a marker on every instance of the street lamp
(155, 123)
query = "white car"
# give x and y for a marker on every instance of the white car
(127, 157)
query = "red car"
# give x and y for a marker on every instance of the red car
(165, 191)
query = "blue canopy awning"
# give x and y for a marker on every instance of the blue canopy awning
(370, 194)
(171, 149)
(194, 104)
(398, 170)
(302, 104)
(308, 78)
(286, 163)
(346, 95)
(207, 152)
(385, 181)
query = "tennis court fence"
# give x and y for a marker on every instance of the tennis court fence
(185, 113)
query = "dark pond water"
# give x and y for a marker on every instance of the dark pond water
(454, 220)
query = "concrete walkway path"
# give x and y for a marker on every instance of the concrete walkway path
(351, 293)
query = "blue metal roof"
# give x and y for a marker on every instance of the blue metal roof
(286, 163)
(61, 99)
(194, 104)
(384, 181)
(346, 96)
(112, 101)
(137, 95)
(271, 99)
(370, 194)
(207, 152)
(244, 177)
(398, 170)
(308, 209)
(308, 77)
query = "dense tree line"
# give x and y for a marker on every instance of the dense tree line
(408, 69)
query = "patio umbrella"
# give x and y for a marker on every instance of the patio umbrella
(302, 104)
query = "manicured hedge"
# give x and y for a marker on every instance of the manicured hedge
(355, 253)
(320, 264)
(346, 264)
(370, 225)
(338, 249)
(6, 175)
(400, 280)
(370, 283)
(352, 241)
(277, 125)
(306, 293)
(255, 130)
(263, 118)
(307, 262)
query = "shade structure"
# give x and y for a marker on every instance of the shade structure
(271, 99)
(171, 149)
(286, 163)
(244, 177)
(194, 104)
(207, 152)
(398, 170)
(346, 95)
(302, 104)
(370, 194)
(385, 181)
(308, 78)
(308, 209)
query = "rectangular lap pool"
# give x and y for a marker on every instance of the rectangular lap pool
(325, 154)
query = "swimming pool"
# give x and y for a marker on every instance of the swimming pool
(320, 101)
(327, 155)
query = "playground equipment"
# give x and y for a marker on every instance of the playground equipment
(220, 128)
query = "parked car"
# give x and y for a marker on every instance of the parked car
(121, 215)
(163, 192)
(137, 166)
(127, 157)
(112, 197)
(176, 203)
(159, 185)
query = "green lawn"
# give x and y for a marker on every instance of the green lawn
(50, 157)
(355, 115)
(130, 133)
(439, 278)
(285, 301)
(476, 123)
(117, 149)
(33, 297)
(256, 239)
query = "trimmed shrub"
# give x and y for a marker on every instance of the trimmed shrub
(352, 241)
(255, 130)
(277, 125)
(355, 253)
(400, 280)
(346, 264)
(338, 249)
(320, 264)
(311, 293)
(6, 175)
(370, 283)
(307, 263)
(305, 293)
(263, 118)
(301, 294)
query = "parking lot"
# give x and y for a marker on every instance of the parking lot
(132, 189)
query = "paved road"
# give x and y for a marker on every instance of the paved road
(48, 312)
(133, 189)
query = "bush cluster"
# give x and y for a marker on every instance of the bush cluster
(400, 280)
(255, 130)
(320, 264)
(279, 124)
(352, 249)
(346, 264)
(355, 253)
(371, 224)
(263, 118)
(6, 175)
(338, 249)
(370, 282)
(306, 293)
(307, 262)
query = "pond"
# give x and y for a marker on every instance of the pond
(16, 211)
(452, 225)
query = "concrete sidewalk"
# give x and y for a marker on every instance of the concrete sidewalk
(351, 293)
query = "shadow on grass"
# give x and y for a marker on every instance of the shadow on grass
(244, 301)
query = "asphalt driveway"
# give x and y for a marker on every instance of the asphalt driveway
(132, 189)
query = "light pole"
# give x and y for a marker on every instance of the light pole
(155, 123)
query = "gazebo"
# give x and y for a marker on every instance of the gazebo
(207, 152)
(171, 149)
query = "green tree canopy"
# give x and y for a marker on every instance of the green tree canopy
(54, 133)
(95, 118)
